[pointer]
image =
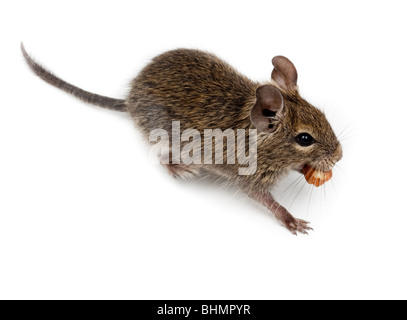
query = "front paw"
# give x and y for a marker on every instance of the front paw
(296, 225)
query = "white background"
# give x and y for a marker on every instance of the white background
(85, 215)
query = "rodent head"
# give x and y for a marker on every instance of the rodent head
(295, 133)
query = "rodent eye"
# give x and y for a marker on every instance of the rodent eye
(304, 139)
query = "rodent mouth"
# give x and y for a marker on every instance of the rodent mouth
(314, 176)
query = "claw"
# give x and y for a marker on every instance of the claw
(298, 225)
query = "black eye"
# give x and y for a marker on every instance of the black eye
(304, 139)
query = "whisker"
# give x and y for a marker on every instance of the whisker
(342, 139)
(305, 182)
(309, 201)
(345, 130)
(296, 180)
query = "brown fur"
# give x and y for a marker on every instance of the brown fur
(203, 92)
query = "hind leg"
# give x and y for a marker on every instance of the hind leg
(182, 171)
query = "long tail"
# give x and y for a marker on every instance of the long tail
(95, 99)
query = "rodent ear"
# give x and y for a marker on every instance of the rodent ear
(269, 103)
(284, 73)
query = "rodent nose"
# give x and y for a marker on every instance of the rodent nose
(338, 153)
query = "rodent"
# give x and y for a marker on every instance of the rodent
(204, 92)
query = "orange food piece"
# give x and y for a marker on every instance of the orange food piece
(316, 177)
